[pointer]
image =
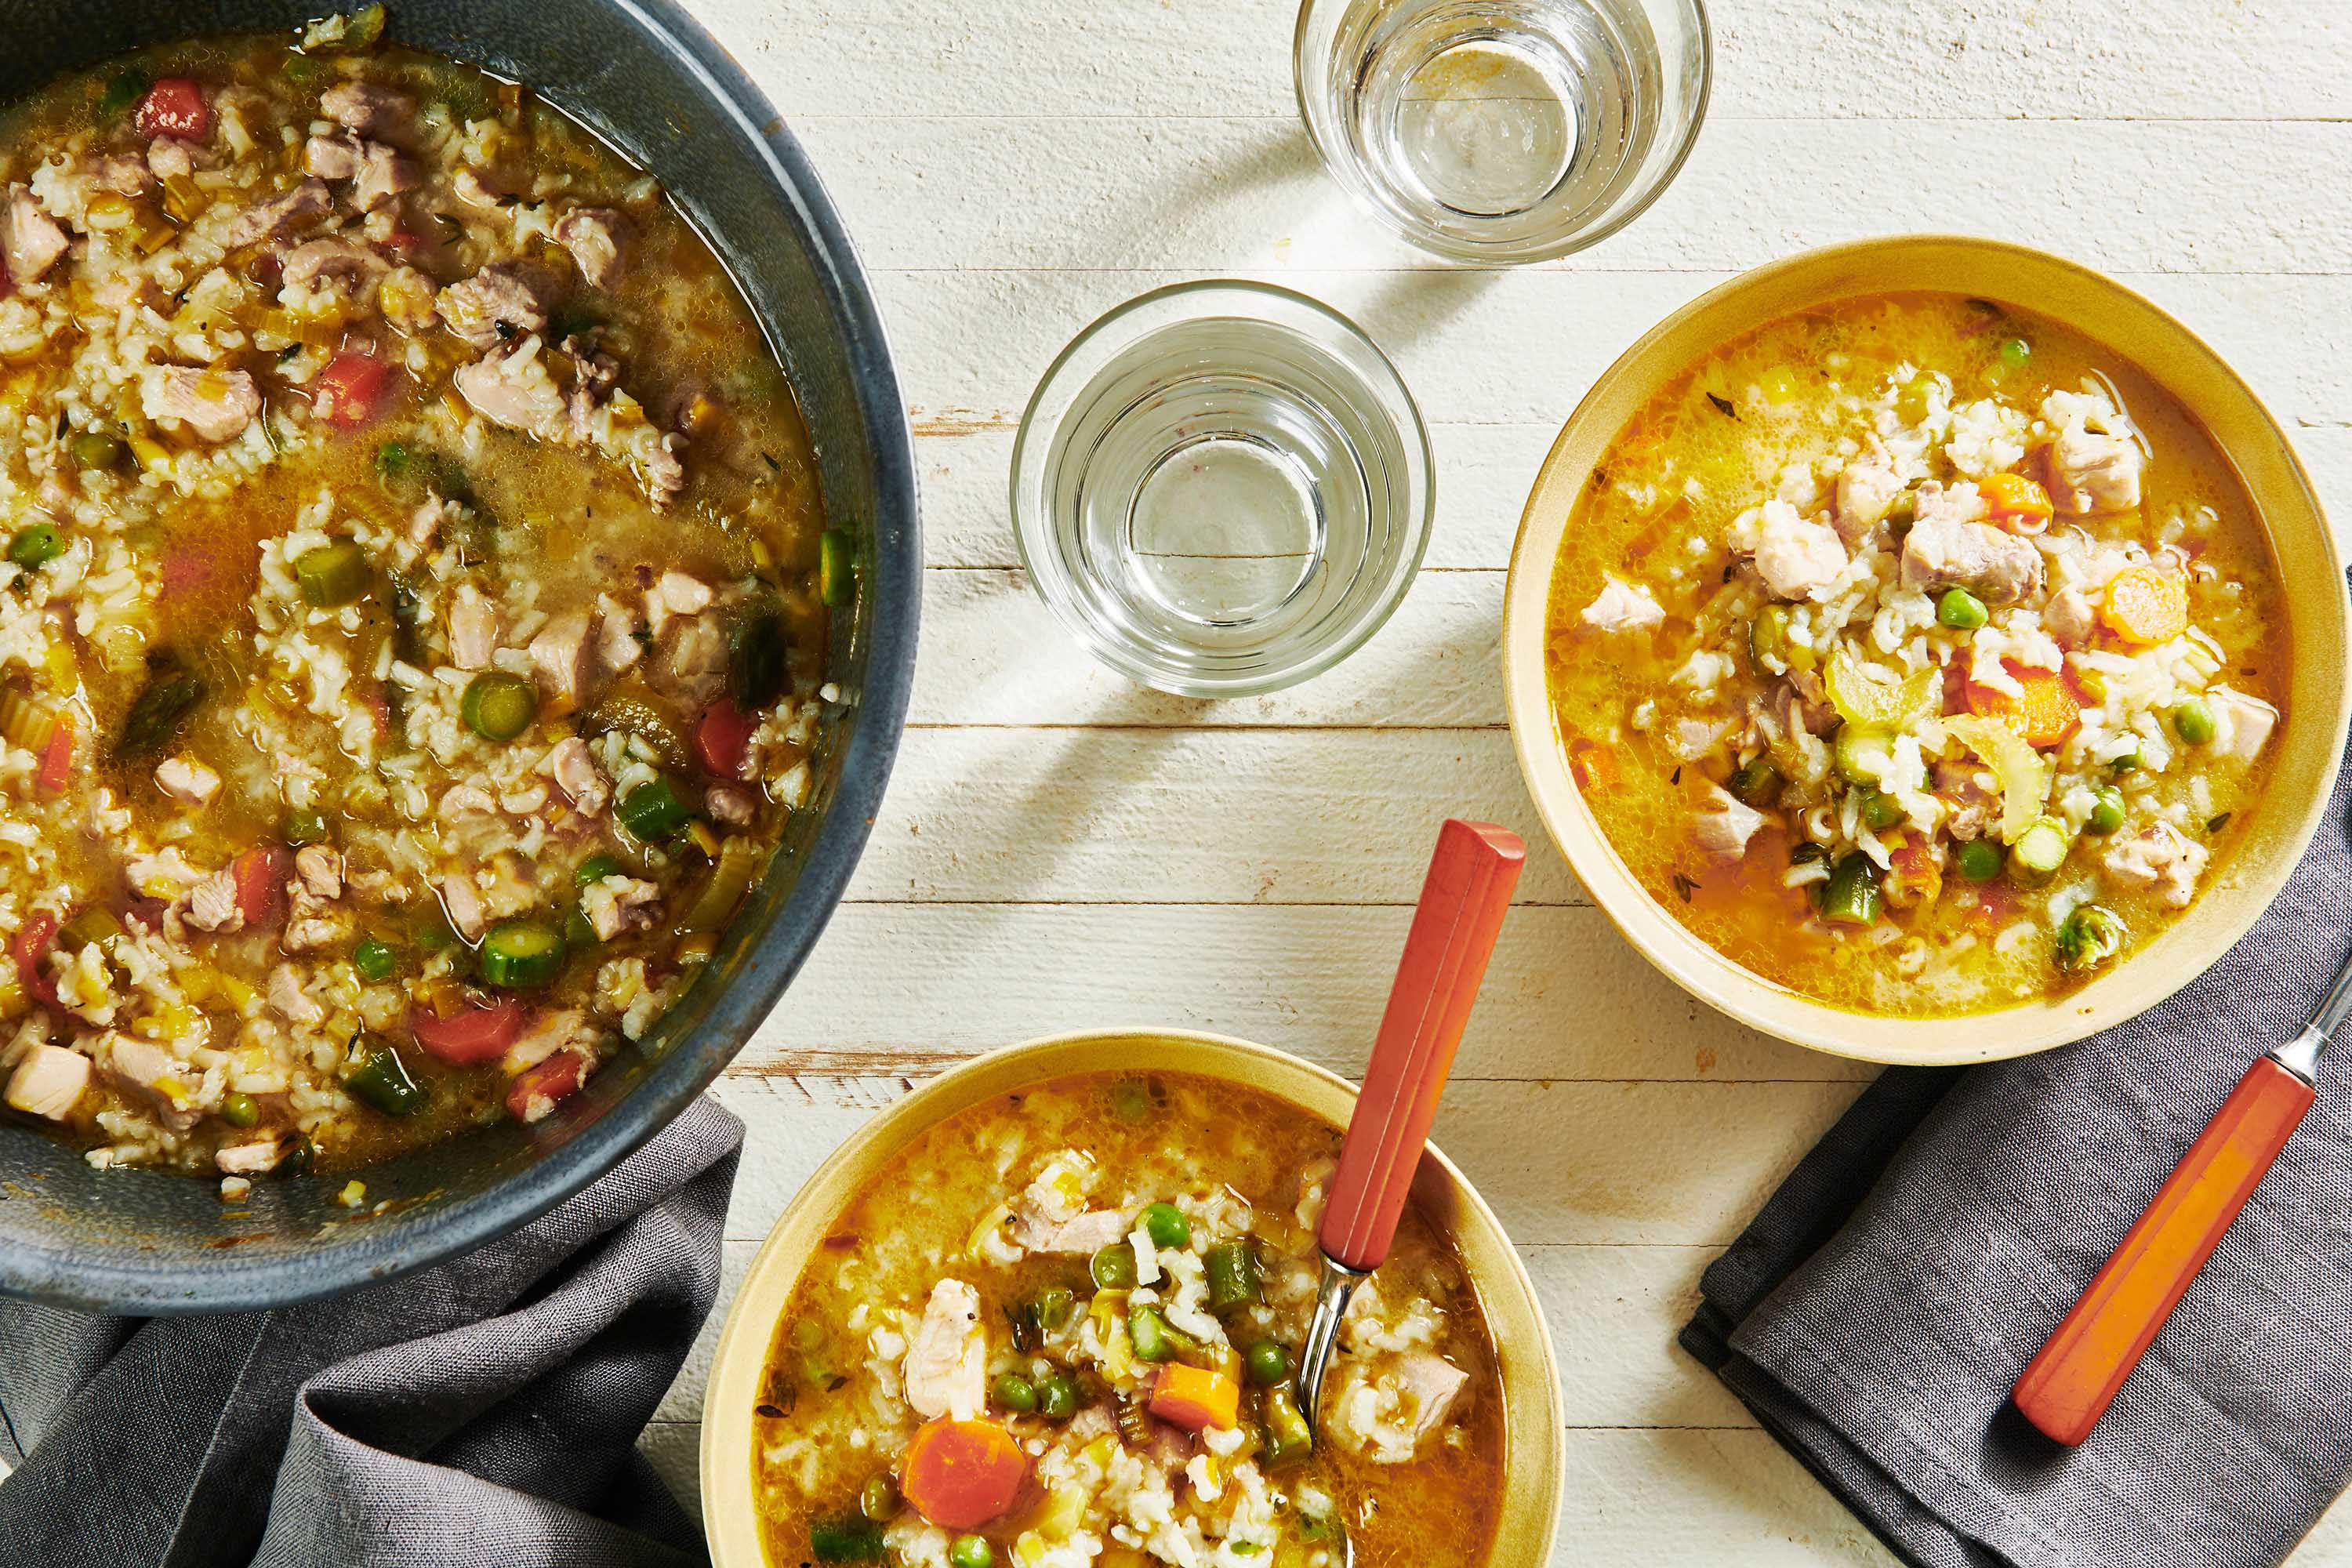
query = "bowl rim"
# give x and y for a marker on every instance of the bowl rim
(1530, 1517)
(2036, 1025)
(124, 1282)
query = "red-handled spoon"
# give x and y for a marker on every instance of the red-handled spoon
(1463, 902)
(2069, 1385)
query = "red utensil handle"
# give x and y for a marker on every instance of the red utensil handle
(2070, 1385)
(1462, 901)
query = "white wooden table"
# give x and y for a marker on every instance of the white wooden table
(1060, 849)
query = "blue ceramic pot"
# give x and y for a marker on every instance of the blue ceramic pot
(652, 82)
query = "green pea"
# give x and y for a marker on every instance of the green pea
(95, 451)
(1167, 1227)
(1114, 1267)
(971, 1552)
(376, 960)
(878, 1499)
(1057, 1397)
(2126, 763)
(35, 546)
(2193, 723)
(2108, 815)
(1961, 610)
(1980, 859)
(2015, 351)
(301, 828)
(1267, 1362)
(239, 1110)
(1880, 811)
(1014, 1392)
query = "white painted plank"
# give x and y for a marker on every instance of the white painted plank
(1159, 815)
(907, 990)
(1217, 194)
(1518, 347)
(1484, 475)
(1681, 1165)
(993, 654)
(1995, 59)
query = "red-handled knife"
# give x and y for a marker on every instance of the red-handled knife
(2069, 1385)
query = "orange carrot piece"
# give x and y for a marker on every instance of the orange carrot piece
(1194, 1397)
(2050, 714)
(962, 1474)
(2146, 606)
(2016, 502)
(1593, 765)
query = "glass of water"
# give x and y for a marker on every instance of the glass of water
(1221, 488)
(1503, 131)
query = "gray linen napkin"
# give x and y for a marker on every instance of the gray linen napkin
(1877, 1311)
(483, 1412)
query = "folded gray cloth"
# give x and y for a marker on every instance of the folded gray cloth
(485, 1411)
(1877, 1311)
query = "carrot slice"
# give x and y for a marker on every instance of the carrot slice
(2146, 606)
(2016, 502)
(962, 1474)
(2049, 715)
(1593, 765)
(1195, 1397)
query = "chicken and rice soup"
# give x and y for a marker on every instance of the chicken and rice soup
(413, 612)
(1918, 654)
(1078, 1346)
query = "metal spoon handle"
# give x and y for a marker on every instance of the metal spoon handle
(1463, 902)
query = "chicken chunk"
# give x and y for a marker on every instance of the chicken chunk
(1624, 607)
(289, 1000)
(514, 390)
(337, 266)
(33, 241)
(1867, 489)
(1433, 1384)
(1942, 553)
(1725, 825)
(475, 627)
(505, 301)
(48, 1082)
(149, 1071)
(267, 219)
(1798, 558)
(212, 903)
(253, 1159)
(595, 237)
(729, 806)
(212, 404)
(1082, 1235)
(617, 644)
(2244, 725)
(186, 779)
(675, 594)
(332, 157)
(574, 768)
(549, 1033)
(320, 868)
(170, 158)
(381, 177)
(367, 108)
(2092, 471)
(693, 662)
(462, 903)
(2162, 859)
(565, 663)
(2068, 617)
(946, 1370)
(617, 904)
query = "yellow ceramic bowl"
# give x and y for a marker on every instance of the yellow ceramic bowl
(2173, 355)
(1530, 1376)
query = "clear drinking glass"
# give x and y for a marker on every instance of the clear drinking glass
(1221, 488)
(1503, 131)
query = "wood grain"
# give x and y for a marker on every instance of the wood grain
(1061, 850)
